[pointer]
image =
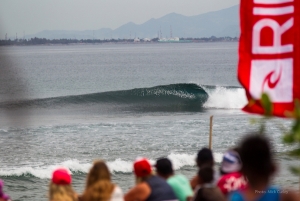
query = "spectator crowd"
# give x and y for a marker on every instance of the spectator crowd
(245, 174)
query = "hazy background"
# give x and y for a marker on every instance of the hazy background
(32, 16)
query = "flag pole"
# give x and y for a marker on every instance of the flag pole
(210, 132)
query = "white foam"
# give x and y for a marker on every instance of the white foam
(116, 166)
(225, 98)
(218, 157)
(120, 165)
(181, 160)
(180, 94)
(44, 172)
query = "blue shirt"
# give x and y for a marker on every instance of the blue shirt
(271, 194)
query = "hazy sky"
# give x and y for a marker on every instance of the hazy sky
(32, 16)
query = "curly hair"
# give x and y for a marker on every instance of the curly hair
(206, 174)
(61, 193)
(257, 157)
(98, 186)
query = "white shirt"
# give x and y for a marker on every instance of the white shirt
(117, 194)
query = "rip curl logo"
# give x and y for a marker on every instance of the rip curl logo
(268, 80)
(269, 52)
(274, 77)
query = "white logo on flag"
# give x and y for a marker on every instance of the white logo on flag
(274, 77)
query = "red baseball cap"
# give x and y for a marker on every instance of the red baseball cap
(61, 176)
(142, 167)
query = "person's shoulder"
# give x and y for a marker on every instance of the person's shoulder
(181, 176)
(194, 178)
(211, 193)
(142, 186)
(289, 195)
(177, 178)
(183, 179)
(140, 192)
(194, 181)
(235, 196)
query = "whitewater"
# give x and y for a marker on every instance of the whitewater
(233, 98)
(68, 106)
(116, 166)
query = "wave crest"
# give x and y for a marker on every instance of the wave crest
(165, 98)
(116, 166)
(173, 97)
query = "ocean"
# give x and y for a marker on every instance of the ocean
(67, 105)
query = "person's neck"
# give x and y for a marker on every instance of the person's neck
(260, 186)
(168, 176)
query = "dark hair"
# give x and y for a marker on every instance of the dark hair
(164, 167)
(255, 152)
(206, 174)
(204, 157)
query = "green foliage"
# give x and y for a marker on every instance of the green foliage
(262, 127)
(295, 170)
(295, 153)
(268, 111)
(293, 136)
(288, 139)
(254, 121)
(267, 104)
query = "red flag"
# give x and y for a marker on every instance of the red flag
(269, 53)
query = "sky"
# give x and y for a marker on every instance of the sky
(32, 16)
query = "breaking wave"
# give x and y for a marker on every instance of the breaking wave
(225, 97)
(172, 98)
(116, 166)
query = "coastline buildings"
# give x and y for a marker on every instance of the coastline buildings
(170, 40)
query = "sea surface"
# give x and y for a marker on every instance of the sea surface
(69, 105)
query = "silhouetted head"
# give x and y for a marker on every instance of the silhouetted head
(164, 168)
(256, 155)
(205, 158)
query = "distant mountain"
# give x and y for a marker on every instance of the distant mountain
(218, 23)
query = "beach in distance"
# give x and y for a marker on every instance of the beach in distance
(74, 41)
(67, 105)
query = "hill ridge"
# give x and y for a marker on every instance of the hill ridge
(221, 23)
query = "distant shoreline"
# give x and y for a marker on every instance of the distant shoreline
(44, 41)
